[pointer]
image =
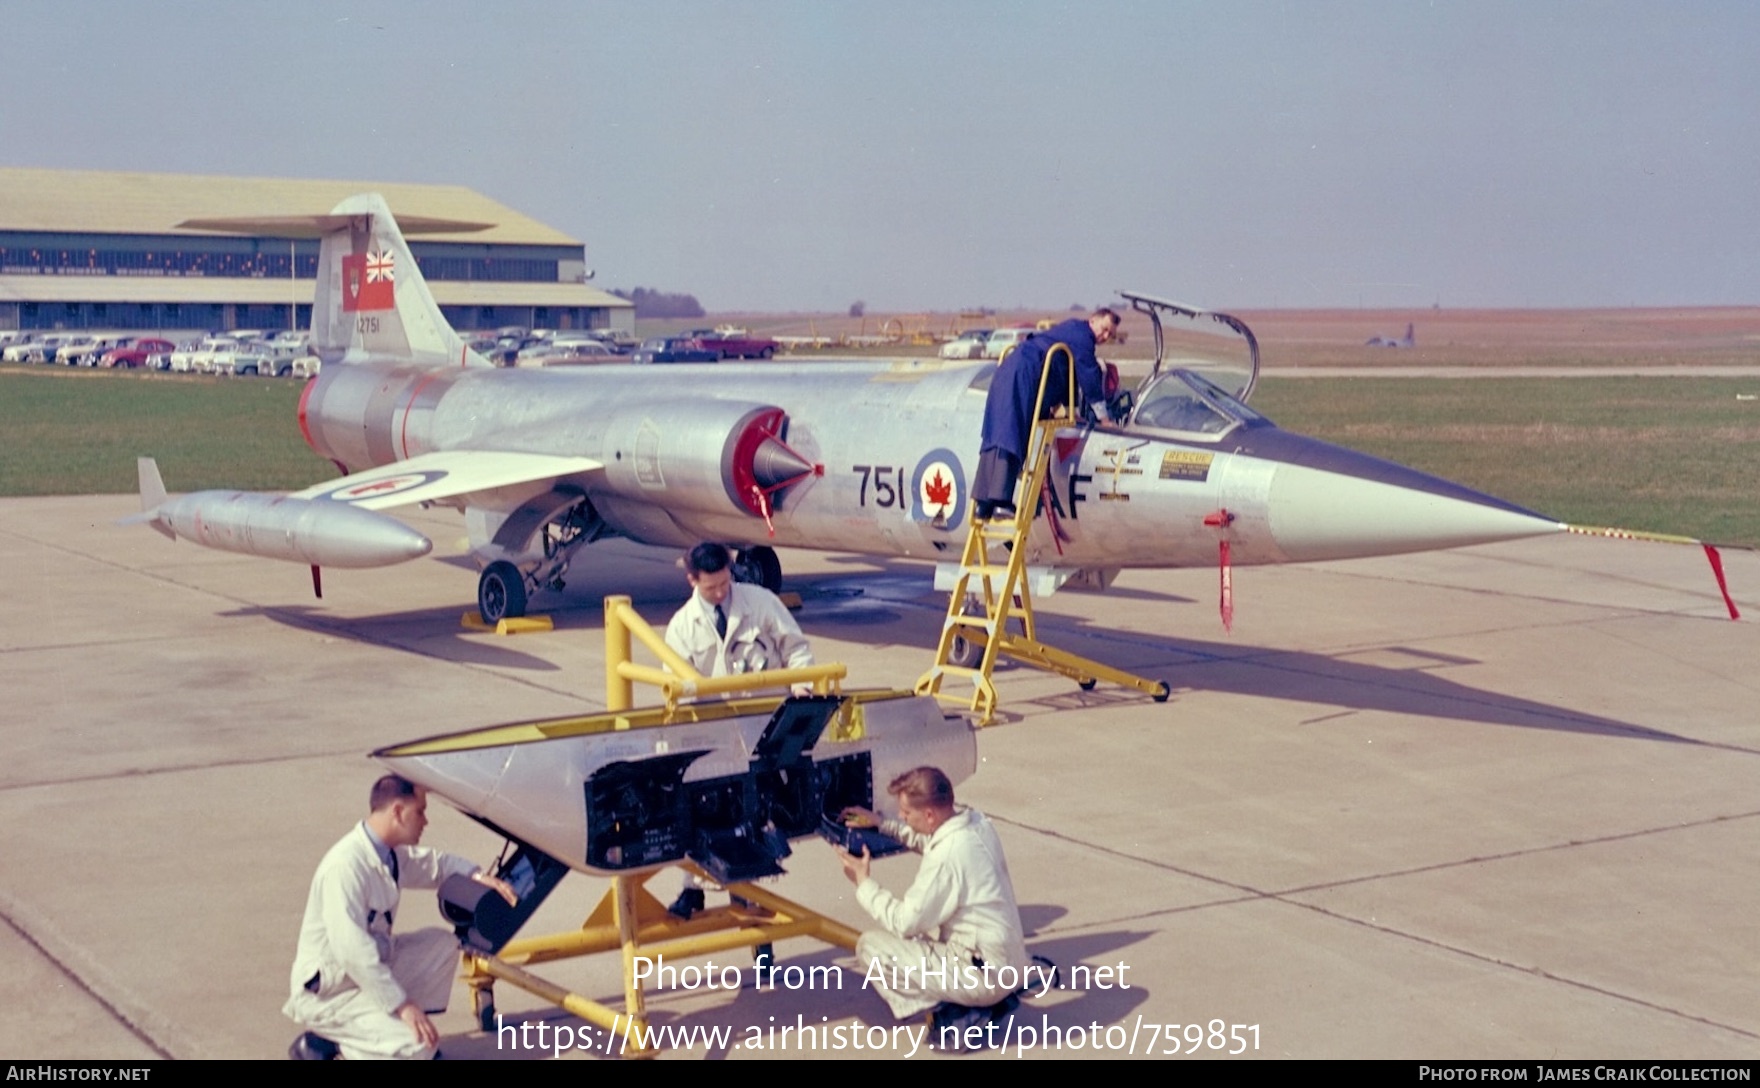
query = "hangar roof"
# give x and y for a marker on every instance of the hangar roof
(106, 202)
(281, 291)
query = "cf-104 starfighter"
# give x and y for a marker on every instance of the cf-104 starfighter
(867, 457)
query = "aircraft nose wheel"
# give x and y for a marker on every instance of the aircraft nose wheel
(759, 566)
(501, 592)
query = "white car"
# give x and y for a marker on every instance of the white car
(19, 351)
(572, 353)
(1003, 339)
(72, 347)
(90, 354)
(199, 359)
(967, 345)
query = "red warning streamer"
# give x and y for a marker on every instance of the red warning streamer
(1227, 603)
(1722, 586)
(1222, 519)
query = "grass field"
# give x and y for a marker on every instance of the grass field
(68, 432)
(1669, 454)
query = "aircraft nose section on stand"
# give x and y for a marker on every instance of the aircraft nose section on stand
(1327, 502)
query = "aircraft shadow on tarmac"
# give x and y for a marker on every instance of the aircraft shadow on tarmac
(1394, 679)
(430, 632)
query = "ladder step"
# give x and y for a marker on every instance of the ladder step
(963, 620)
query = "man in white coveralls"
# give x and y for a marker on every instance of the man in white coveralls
(953, 942)
(356, 987)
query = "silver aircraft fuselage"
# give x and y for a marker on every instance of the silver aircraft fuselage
(893, 446)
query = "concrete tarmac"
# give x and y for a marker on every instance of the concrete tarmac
(1490, 803)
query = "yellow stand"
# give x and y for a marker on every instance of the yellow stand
(1003, 590)
(629, 919)
(632, 921)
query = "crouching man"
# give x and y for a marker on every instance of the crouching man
(954, 942)
(356, 987)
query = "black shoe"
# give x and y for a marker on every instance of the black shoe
(1003, 512)
(689, 902)
(949, 1022)
(981, 510)
(312, 1047)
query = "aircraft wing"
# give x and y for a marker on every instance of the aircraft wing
(442, 475)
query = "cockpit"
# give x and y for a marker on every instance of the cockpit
(1206, 365)
(1184, 402)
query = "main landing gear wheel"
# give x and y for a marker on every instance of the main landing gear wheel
(501, 592)
(759, 566)
(486, 1015)
(964, 653)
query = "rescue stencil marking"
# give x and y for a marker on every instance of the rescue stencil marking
(1186, 465)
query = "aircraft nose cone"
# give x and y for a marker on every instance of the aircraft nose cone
(1327, 502)
(774, 463)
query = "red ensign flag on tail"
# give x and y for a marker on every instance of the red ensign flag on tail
(369, 282)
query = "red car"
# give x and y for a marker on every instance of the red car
(135, 354)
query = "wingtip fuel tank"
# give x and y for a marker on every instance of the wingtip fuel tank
(310, 531)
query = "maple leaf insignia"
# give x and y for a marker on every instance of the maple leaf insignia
(938, 490)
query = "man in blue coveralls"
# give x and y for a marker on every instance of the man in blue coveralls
(1008, 412)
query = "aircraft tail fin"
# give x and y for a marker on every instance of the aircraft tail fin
(152, 497)
(371, 303)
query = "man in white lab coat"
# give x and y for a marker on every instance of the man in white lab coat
(954, 941)
(357, 987)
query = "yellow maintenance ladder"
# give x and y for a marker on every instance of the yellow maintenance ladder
(999, 583)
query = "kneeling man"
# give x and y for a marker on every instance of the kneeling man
(357, 987)
(954, 940)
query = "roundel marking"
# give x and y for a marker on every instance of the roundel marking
(380, 488)
(939, 495)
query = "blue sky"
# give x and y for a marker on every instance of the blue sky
(799, 156)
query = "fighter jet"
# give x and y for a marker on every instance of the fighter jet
(867, 457)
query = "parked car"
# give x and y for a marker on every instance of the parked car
(43, 351)
(674, 349)
(738, 344)
(136, 354)
(243, 360)
(92, 354)
(72, 348)
(19, 350)
(967, 345)
(573, 353)
(1001, 340)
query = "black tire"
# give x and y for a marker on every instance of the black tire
(486, 1015)
(1161, 695)
(759, 566)
(767, 353)
(964, 653)
(1088, 684)
(501, 592)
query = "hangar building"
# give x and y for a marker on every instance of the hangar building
(83, 249)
